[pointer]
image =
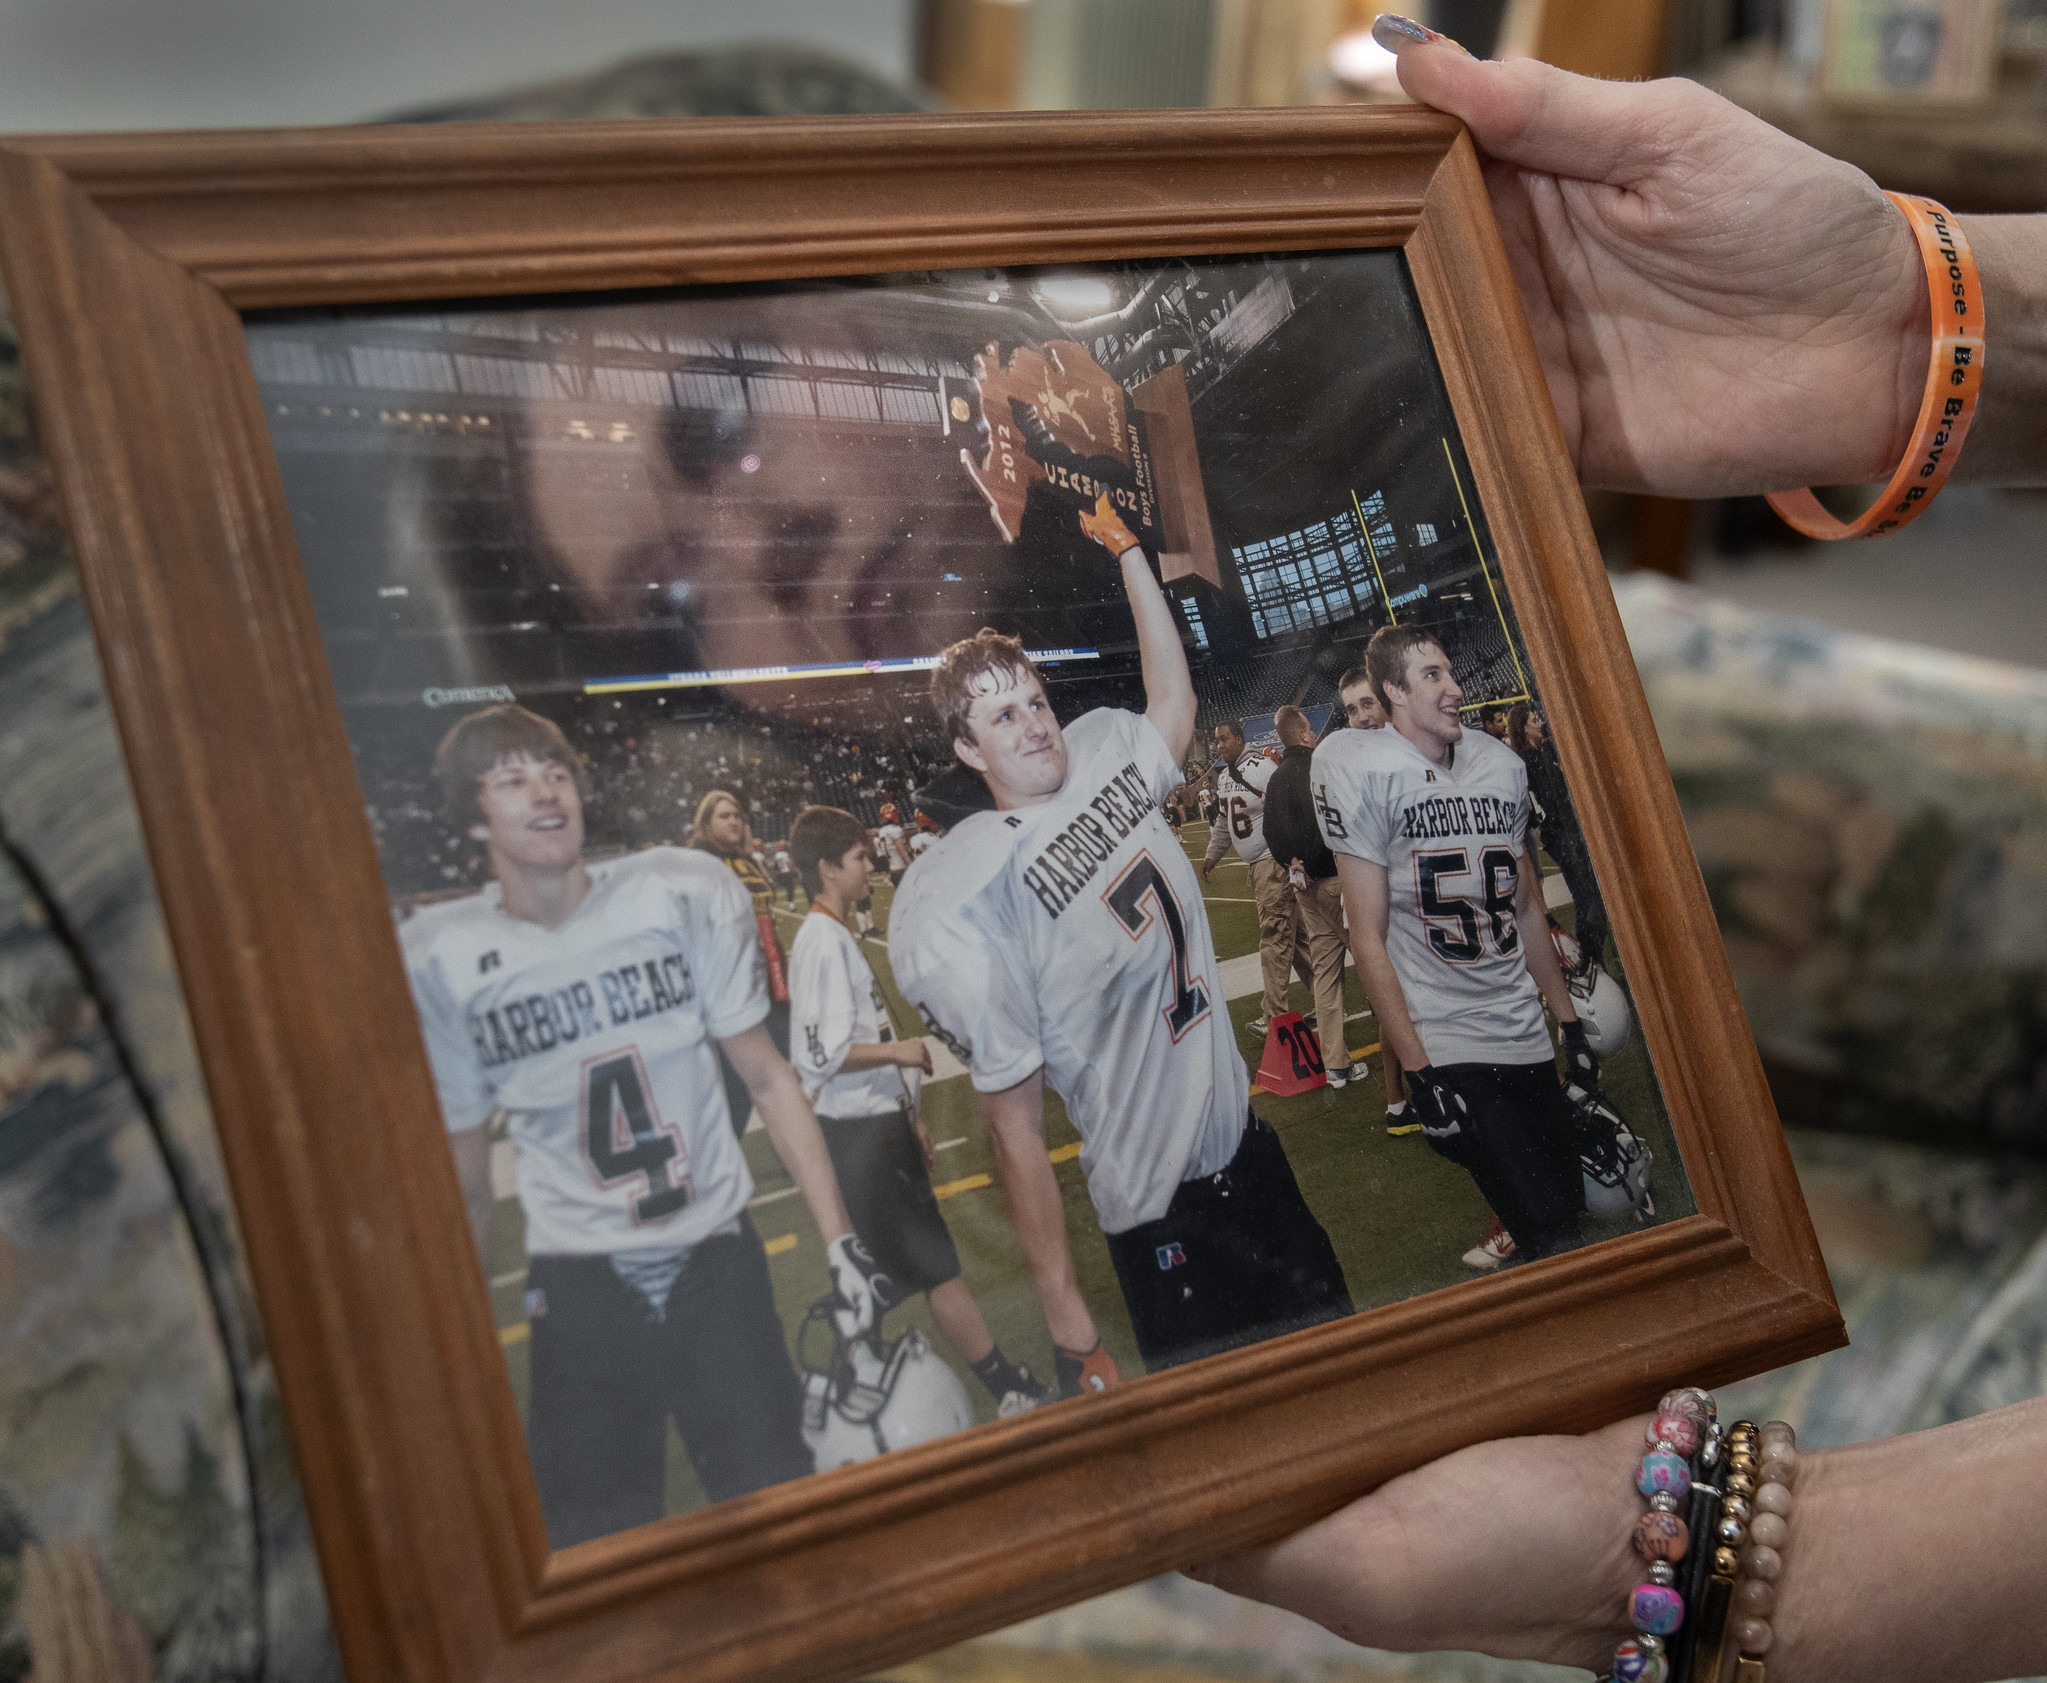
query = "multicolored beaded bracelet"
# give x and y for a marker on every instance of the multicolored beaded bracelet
(1661, 1537)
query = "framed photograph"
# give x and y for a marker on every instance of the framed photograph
(916, 857)
(1921, 52)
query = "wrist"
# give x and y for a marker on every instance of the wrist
(1898, 275)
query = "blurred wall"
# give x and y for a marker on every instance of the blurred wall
(90, 64)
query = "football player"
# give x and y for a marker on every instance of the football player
(785, 873)
(1061, 939)
(1361, 711)
(1429, 823)
(864, 1083)
(895, 847)
(1240, 782)
(586, 1002)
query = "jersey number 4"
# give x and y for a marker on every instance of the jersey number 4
(625, 1138)
(1497, 873)
(1143, 880)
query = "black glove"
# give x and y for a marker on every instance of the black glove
(1581, 1068)
(862, 1290)
(1440, 1109)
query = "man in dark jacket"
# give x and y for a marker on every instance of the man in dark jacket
(1562, 839)
(1296, 843)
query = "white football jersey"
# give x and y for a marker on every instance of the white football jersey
(1241, 813)
(595, 1039)
(1071, 936)
(835, 1004)
(893, 848)
(920, 842)
(1451, 839)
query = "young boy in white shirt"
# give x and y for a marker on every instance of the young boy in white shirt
(864, 1082)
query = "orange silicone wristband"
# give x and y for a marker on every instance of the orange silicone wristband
(1953, 379)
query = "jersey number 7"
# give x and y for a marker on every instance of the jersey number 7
(624, 1137)
(1141, 880)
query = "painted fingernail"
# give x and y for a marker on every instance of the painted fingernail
(1392, 31)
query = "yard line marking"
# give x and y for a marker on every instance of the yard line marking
(952, 1188)
(1064, 1153)
(773, 1197)
(775, 1247)
(514, 1334)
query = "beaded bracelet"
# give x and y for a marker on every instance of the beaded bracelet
(1742, 1593)
(1762, 1469)
(1656, 1608)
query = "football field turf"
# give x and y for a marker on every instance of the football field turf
(1400, 1217)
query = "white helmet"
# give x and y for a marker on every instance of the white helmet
(874, 1397)
(1602, 1008)
(1613, 1160)
(1566, 945)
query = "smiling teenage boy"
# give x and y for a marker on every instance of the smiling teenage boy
(1062, 939)
(584, 1001)
(1429, 824)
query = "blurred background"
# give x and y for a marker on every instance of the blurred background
(1858, 734)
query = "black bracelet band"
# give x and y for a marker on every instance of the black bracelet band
(1704, 1515)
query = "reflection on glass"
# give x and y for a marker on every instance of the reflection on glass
(958, 839)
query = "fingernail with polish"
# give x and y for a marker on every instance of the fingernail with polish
(1392, 31)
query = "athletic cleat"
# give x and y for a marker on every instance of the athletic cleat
(1258, 1025)
(1402, 1121)
(1490, 1252)
(1340, 1077)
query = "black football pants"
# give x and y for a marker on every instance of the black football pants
(1237, 1257)
(1519, 1142)
(608, 1376)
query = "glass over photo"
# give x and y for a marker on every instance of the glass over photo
(958, 839)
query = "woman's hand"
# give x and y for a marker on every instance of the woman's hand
(1719, 308)
(1519, 1548)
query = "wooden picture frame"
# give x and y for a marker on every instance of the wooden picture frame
(129, 261)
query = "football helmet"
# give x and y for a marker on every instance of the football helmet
(1612, 1158)
(1596, 997)
(889, 815)
(872, 1396)
(1566, 945)
(1603, 1009)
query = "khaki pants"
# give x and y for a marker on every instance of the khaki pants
(1321, 906)
(1282, 947)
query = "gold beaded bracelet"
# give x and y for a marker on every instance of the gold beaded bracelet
(1755, 1525)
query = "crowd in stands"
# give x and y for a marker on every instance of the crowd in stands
(652, 758)
(856, 745)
